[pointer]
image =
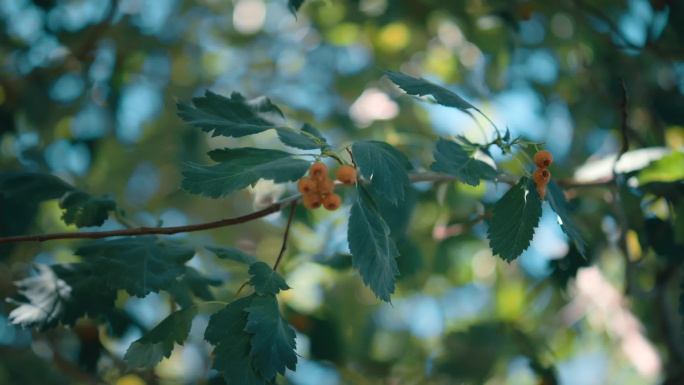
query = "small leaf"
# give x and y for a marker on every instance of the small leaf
(226, 331)
(559, 204)
(385, 167)
(507, 135)
(83, 210)
(193, 282)
(452, 159)
(266, 281)
(514, 218)
(139, 265)
(60, 293)
(421, 87)
(158, 343)
(240, 168)
(373, 250)
(233, 254)
(308, 139)
(273, 343)
(294, 5)
(232, 117)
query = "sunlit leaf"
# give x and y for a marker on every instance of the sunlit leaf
(373, 250)
(452, 159)
(385, 167)
(139, 265)
(158, 343)
(266, 281)
(273, 343)
(669, 168)
(232, 117)
(83, 210)
(560, 205)
(60, 293)
(240, 168)
(514, 218)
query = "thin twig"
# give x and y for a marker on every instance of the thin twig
(293, 207)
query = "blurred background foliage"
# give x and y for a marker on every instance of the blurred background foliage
(88, 91)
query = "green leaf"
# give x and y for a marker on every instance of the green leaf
(83, 210)
(560, 205)
(158, 343)
(60, 293)
(240, 168)
(226, 331)
(337, 261)
(421, 87)
(373, 250)
(233, 254)
(309, 138)
(32, 187)
(669, 168)
(452, 159)
(294, 5)
(139, 265)
(265, 280)
(273, 343)
(232, 117)
(385, 167)
(514, 218)
(193, 282)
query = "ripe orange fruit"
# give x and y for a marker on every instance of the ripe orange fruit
(541, 176)
(312, 201)
(332, 202)
(307, 186)
(318, 171)
(543, 158)
(346, 174)
(325, 186)
(541, 189)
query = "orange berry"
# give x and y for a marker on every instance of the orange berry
(346, 174)
(312, 201)
(332, 202)
(543, 158)
(325, 186)
(318, 171)
(541, 189)
(307, 186)
(541, 176)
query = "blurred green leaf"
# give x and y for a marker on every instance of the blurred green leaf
(232, 253)
(373, 250)
(273, 343)
(452, 159)
(60, 293)
(385, 167)
(669, 168)
(337, 261)
(233, 117)
(193, 282)
(158, 343)
(294, 5)
(514, 218)
(32, 187)
(266, 281)
(139, 265)
(240, 168)
(83, 210)
(560, 205)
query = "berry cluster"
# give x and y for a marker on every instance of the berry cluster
(318, 189)
(542, 176)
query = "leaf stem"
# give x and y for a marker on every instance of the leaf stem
(293, 207)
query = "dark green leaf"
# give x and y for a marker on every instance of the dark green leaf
(83, 210)
(149, 350)
(240, 168)
(139, 265)
(337, 261)
(421, 87)
(32, 187)
(232, 117)
(273, 343)
(266, 281)
(193, 282)
(226, 331)
(294, 5)
(452, 159)
(514, 218)
(308, 139)
(60, 293)
(385, 167)
(373, 250)
(233, 254)
(559, 204)
(507, 135)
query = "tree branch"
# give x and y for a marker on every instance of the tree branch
(293, 207)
